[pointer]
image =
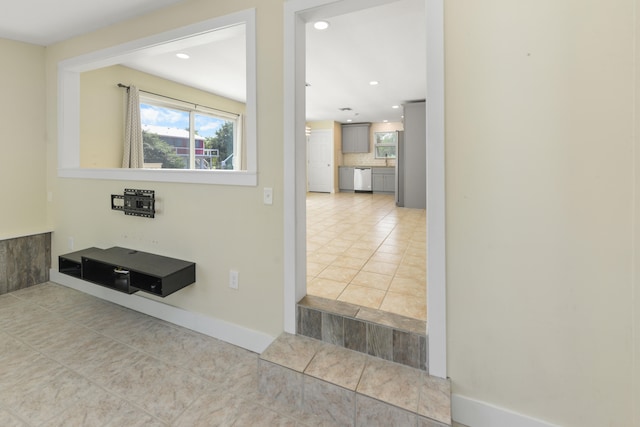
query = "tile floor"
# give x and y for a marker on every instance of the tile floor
(364, 250)
(351, 388)
(69, 359)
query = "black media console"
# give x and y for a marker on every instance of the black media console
(128, 270)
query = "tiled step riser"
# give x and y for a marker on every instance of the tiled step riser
(378, 340)
(348, 388)
(333, 403)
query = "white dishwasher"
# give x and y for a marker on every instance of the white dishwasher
(362, 180)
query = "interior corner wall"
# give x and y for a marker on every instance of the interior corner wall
(22, 120)
(219, 227)
(540, 189)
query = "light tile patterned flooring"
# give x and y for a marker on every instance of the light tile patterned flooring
(363, 249)
(69, 359)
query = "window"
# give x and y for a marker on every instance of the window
(385, 145)
(183, 136)
(245, 158)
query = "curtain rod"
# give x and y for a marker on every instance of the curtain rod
(179, 100)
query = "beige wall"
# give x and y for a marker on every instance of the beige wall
(219, 227)
(103, 107)
(23, 142)
(540, 220)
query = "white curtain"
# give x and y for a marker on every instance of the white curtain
(239, 155)
(133, 148)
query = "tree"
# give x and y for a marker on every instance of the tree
(158, 151)
(222, 141)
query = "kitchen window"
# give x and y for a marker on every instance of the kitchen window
(385, 144)
(179, 135)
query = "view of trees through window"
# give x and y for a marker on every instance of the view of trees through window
(170, 143)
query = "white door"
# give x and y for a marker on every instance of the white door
(320, 161)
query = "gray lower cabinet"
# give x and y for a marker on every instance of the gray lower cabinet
(345, 178)
(383, 180)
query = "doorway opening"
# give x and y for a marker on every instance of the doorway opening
(361, 247)
(297, 13)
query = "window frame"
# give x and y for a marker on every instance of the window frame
(69, 108)
(393, 144)
(194, 109)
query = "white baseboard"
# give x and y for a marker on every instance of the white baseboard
(475, 413)
(229, 332)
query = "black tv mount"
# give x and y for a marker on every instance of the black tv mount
(135, 202)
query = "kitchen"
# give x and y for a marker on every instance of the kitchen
(371, 157)
(366, 151)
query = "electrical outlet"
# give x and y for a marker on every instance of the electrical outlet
(70, 242)
(233, 279)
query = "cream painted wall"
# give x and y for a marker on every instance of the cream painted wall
(636, 235)
(218, 227)
(540, 220)
(23, 141)
(103, 108)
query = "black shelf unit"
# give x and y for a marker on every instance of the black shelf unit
(129, 270)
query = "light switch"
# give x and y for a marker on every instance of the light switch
(268, 196)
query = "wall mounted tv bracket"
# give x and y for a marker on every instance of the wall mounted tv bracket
(135, 202)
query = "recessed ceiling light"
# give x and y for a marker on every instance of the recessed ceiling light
(374, 83)
(385, 121)
(395, 106)
(321, 25)
(349, 120)
(182, 55)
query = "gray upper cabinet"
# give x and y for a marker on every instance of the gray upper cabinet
(355, 138)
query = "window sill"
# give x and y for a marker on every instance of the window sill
(220, 177)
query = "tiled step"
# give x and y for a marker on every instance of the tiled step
(349, 388)
(385, 335)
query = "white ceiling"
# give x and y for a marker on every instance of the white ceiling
(45, 22)
(385, 43)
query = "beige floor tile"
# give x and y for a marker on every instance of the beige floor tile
(321, 258)
(372, 280)
(337, 365)
(435, 399)
(361, 253)
(386, 257)
(416, 251)
(383, 239)
(339, 274)
(363, 244)
(291, 351)
(325, 288)
(361, 295)
(349, 262)
(419, 261)
(408, 286)
(380, 267)
(391, 382)
(405, 305)
(314, 268)
(411, 271)
(392, 249)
